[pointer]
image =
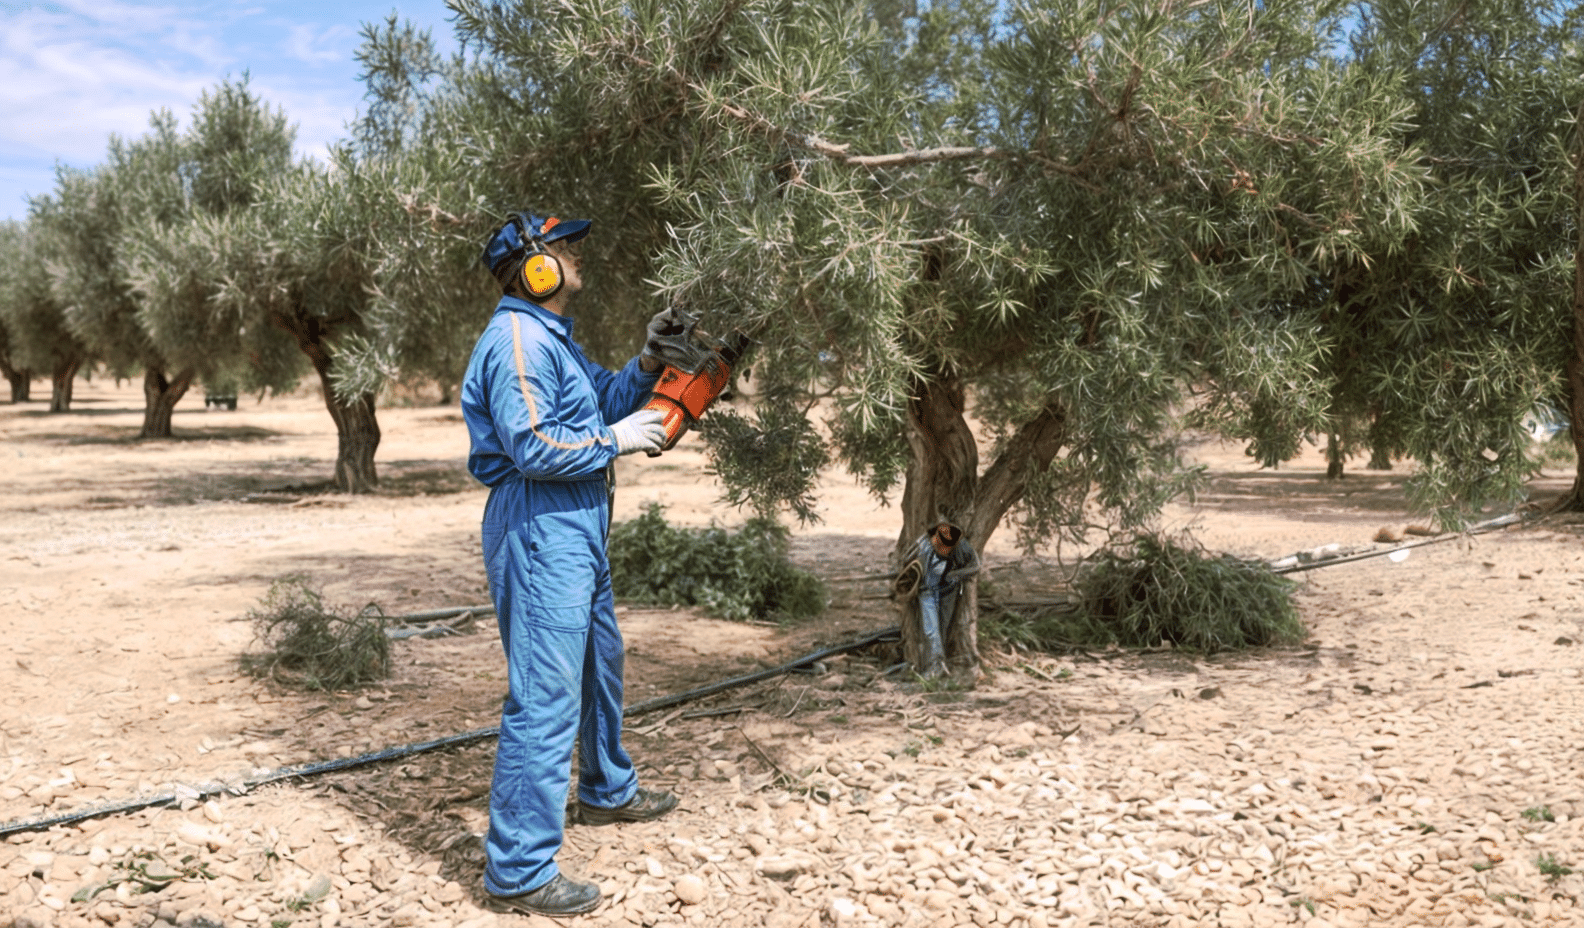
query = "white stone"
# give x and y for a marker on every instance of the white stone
(690, 889)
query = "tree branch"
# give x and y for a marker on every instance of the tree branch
(1030, 449)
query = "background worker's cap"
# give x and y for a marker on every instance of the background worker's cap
(508, 244)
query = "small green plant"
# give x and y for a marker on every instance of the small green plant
(305, 642)
(738, 575)
(313, 895)
(838, 720)
(1480, 866)
(1303, 901)
(1538, 814)
(1424, 827)
(912, 748)
(146, 872)
(1551, 868)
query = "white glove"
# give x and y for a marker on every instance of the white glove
(644, 430)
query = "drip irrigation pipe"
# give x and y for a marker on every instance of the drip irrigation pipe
(1480, 529)
(199, 793)
(435, 614)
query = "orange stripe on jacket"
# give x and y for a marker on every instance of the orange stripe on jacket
(528, 397)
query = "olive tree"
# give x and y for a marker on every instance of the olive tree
(1444, 339)
(88, 223)
(37, 337)
(297, 263)
(19, 378)
(1027, 231)
(180, 193)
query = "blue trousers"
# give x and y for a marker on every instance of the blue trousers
(564, 658)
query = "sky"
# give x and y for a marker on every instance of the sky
(72, 73)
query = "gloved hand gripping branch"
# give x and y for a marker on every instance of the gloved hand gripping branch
(694, 374)
(669, 341)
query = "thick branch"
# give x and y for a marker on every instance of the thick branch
(1030, 450)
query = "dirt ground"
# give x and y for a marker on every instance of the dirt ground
(1415, 762)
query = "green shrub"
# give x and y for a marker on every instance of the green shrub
(740, 576)
(1156, 592)
(306, 643)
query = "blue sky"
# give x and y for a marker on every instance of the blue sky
(74, 72)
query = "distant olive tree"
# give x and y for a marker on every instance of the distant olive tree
(19, 378)
(178, 193)
(88, 223)
(36, 334)
(1443, 339)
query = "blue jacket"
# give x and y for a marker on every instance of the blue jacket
(537, 411)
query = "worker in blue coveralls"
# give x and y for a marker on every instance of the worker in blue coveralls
(546, 424)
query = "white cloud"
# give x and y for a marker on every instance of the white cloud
(314, 43)
(75, 71)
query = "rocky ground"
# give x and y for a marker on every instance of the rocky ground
(1416, 761)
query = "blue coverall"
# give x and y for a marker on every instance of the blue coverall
(536, 410)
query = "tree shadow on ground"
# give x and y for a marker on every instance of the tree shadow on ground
(1305, 495)
(425, 478)
(127, 435)
(287, 482)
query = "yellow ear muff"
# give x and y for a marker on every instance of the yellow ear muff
(541, 275)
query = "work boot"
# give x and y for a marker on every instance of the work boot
(644, 806)
(558, 898)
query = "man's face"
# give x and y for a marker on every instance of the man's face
(570, 254)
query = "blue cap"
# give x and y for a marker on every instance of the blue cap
(511, 240)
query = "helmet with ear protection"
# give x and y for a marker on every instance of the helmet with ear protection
(516, 255)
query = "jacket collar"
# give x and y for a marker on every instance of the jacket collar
(561, 325)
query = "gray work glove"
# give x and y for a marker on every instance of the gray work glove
(644, 430)
(669, 341)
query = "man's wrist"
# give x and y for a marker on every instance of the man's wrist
(648, 364)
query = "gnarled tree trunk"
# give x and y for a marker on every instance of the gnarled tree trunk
(61, 380)
(357, 428)
(943, 482)
(1333, 456)
(1574, 501)
(21, 383)
(160, 396)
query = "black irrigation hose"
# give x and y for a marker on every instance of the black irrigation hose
(407, 750)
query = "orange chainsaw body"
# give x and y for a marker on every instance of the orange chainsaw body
(682, 397)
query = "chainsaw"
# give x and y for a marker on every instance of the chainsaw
(697, 372)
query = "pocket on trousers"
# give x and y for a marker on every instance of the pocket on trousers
(562, 586)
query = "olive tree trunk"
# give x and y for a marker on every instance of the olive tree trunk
(1574, 501)
(357, 428)
(21, 383)
(943, 482)
(61, 380)
(160, 396)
